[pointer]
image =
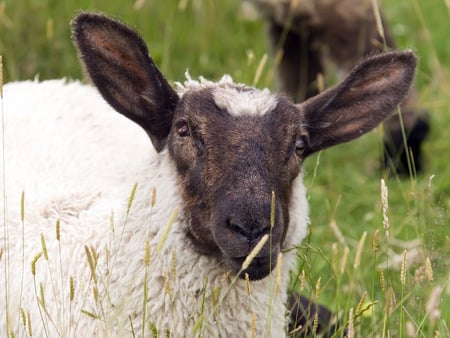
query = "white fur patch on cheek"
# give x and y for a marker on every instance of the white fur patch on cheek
(238, 100)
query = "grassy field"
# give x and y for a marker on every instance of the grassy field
(396, 285)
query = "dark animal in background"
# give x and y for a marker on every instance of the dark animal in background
(313, 34)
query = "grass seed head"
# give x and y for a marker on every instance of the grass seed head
(385, 206)
(58, 230)
(375, 238)
(71, 289)
(131, 198)
(381, 277)
(147, 253)
(272, 211)
(23, 316)
(403, 269)
(41, 291)
(30, 328)
(361, 303)
(302, 280)
(153, 200)
(44, 247)
(247, 283)
(318, 287)
(315, 324)
(33, 263)
(429, 269)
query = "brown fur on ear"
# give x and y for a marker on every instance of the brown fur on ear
(370, 93)
(118, 62)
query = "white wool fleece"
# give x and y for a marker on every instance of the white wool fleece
(117, 267)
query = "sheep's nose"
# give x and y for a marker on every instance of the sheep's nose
(250, 233)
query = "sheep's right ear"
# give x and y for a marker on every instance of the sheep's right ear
(118, 62)
(369, 94)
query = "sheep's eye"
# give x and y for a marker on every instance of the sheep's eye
(299, 146)
(183, 129)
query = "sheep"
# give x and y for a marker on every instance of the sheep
(314, 37)
(106, 235)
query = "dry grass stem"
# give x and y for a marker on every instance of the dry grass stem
(378, 20)
(95, 293)
(1, 76)
(344, 260)
(350, 328)
(174, 265)
(272, 211)
(22, 207)
(359, 250)
(153, 200)
(259, 69)
(253, 326)
(385, 206)
(167, 287)
(166, 231)
(278, 273)
(337, 232)
(254, 252)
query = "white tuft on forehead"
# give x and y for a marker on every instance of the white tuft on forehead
(236, 99)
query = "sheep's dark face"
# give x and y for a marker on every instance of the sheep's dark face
(233, 146)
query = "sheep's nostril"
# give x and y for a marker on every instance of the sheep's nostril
(249, 233)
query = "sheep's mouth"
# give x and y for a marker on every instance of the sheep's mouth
(259, 268)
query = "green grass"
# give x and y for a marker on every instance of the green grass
(210, 38)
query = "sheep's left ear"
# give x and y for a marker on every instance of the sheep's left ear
(118, 62)
(369, 94)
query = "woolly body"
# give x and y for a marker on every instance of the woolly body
(76, 161)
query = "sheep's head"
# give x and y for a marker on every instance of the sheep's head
(237, 150)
